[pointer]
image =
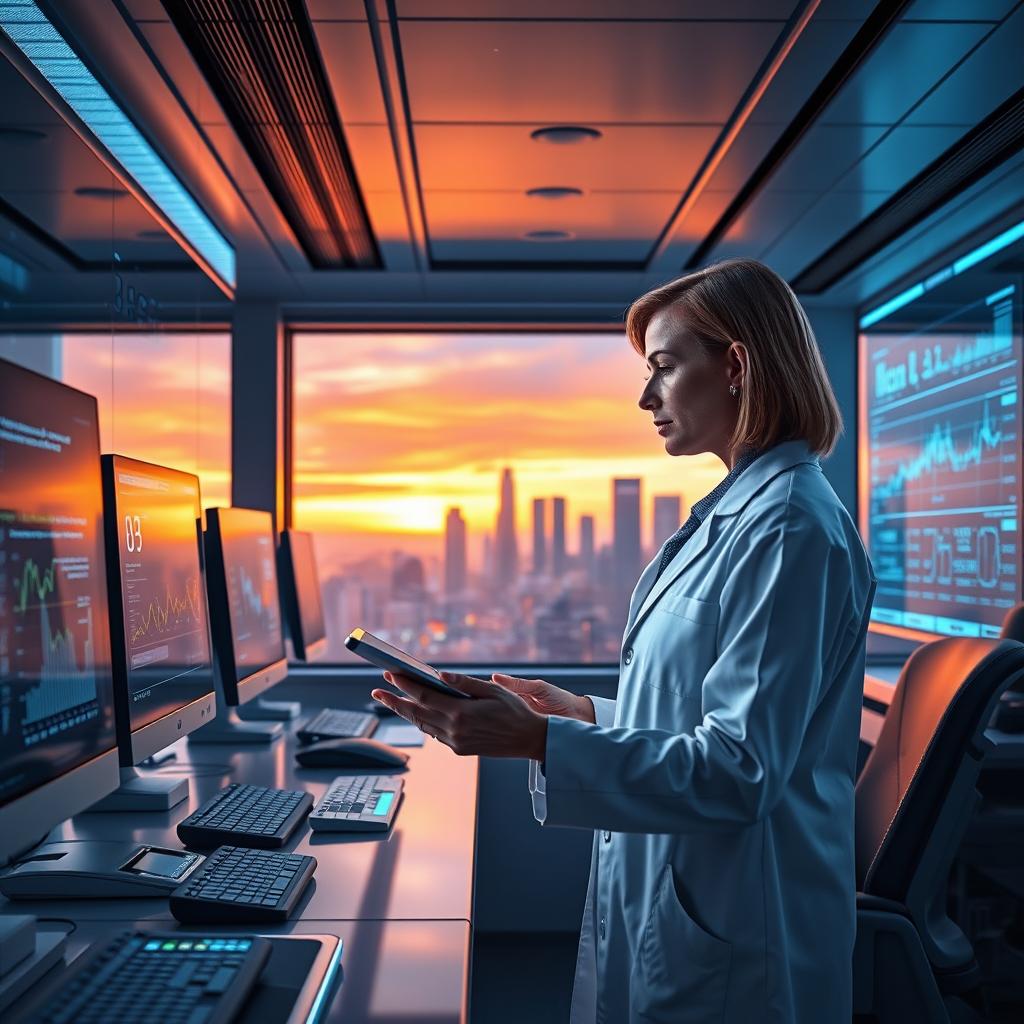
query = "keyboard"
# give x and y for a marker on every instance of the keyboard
(358, 803)
(141, 977)
(237, 885)
(246, 816)
(330, 724)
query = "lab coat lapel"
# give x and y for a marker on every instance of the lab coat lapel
(689, 551)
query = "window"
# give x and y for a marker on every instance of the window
(481, 497)
(164, 397)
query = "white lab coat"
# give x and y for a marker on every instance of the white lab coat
(723, 888)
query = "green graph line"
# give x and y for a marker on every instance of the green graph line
(32, 580)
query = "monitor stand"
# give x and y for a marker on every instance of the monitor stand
(26, 954)
(228, 727)
(139, 792)
(261, 710)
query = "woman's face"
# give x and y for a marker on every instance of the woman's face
(687, 392)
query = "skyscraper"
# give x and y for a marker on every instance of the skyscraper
(506, 546)
(558, 536)
(625, 543)
(667, 517)
(454, 552)
(587, 544)
(540, 542)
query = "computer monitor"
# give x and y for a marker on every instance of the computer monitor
(245, 610)
(300, 593)
(57, 741)
(160, 636)
(939, 476)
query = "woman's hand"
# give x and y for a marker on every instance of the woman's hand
(547, 699)
(496, 723)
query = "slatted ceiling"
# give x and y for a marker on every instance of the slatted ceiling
(982, 150)
(265, 71)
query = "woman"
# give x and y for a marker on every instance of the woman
(720, 783)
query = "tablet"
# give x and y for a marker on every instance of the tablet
(383, 655)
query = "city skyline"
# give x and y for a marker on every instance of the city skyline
(391, 430)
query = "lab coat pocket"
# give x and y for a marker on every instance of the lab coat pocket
(685, 607)
(681, 973)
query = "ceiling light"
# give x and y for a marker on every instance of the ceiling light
(548, 236)
(48, 51)
(21, 135)
(554, 193)
(90, 192)
(982, 252)
(565, 134)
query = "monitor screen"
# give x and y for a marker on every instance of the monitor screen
(301, 584)
(250, 574)
(153, 525)
(940, 458)
(55, 685)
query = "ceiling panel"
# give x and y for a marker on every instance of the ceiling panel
(598, 72)
(763, 221)
(60, 162)
(610, 226)
(960, 10)
(907, 63)
(505, 157)
(903, 153)
(588, 9)
(989, 76)
(374, 157)
(819, 46)
(352, 10)
(94, 228)
(346, 49)
(818, 229)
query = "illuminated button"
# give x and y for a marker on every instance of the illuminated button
(627, 656)
(607, 836)
(601, 928)
(384, 803)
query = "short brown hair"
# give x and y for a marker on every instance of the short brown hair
(786, 393)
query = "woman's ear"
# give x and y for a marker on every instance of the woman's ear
(736, 363)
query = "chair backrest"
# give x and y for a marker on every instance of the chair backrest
(943, 700)
(1013, 624)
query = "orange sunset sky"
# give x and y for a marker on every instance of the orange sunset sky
(393, 429)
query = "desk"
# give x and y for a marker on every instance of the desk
(401, 902)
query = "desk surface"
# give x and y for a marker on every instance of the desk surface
(402, 901)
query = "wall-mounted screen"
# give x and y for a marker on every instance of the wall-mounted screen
(940, 455)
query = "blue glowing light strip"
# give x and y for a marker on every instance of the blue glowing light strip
(975, 256)
(45, 47)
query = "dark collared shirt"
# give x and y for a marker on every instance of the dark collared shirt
(702, 509)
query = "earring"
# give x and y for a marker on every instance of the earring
(733, 390)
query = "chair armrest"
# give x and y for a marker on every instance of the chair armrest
(866, 901)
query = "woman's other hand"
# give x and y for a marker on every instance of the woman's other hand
(497, 723)
(547, 699)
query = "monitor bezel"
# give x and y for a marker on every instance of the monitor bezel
(233, 689)
(28, 818)
(291, 606)
(136, 745)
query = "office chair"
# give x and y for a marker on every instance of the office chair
(914, 799)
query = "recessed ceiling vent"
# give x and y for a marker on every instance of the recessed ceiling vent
(262, 63)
